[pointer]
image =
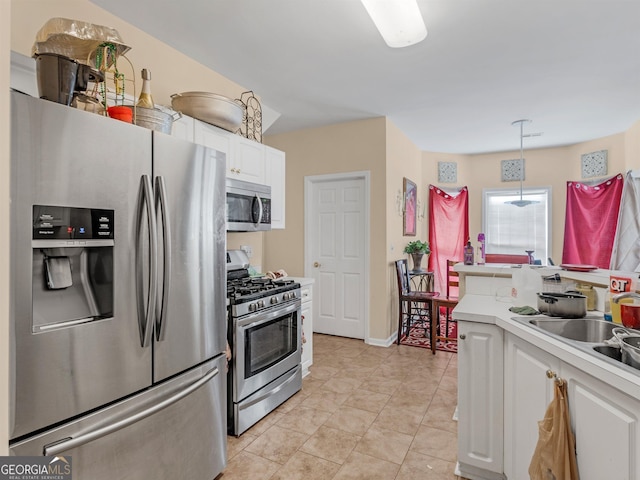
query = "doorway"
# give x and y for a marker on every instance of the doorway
(337, 252)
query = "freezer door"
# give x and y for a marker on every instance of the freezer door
(191, 312)
(176, 430)
(65, 157)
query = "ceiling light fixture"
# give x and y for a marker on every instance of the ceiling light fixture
(521, 202)
(399, 21)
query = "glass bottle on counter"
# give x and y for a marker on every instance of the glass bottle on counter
(468, 254)
(145, 100)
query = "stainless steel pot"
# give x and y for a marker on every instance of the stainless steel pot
(211, 108)
(630, 346)
(567, 305)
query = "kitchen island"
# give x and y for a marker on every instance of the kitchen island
(504, 390)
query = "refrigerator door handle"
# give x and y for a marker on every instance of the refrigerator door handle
(146, 313)
(63, 445)
(163, 298)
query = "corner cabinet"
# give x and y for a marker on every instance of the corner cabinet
(247, 159)
(605, 421)
(480, 401)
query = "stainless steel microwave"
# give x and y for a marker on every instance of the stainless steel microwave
(248, 206)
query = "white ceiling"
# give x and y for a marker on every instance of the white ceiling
(571, 66)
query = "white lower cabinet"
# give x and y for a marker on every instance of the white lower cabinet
(480, 400)
(306, 292)
(605, 421)
(528, 392)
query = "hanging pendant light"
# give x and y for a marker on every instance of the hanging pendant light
(522, 202)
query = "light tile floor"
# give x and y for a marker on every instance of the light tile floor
(364, 412)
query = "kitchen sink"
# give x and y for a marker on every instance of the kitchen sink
(609, 351)
(588, 330)
(590, 335)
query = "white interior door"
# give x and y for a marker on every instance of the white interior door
(336, 252)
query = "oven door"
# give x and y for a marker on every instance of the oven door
(267, 345)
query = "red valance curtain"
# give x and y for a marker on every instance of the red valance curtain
(448, 231)
(591, 222)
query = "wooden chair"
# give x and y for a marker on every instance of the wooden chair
(413, 306)
(448, 303)
(506, 258)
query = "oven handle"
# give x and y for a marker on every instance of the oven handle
(252, 320)
(271, 392)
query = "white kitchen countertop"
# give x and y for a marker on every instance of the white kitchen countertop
(302, 280)
(489, 309)
(597, 277)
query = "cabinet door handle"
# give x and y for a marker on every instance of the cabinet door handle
(462, 336)
(316, 264)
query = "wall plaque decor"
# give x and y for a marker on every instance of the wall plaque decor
(594, 164)
(410, 204)
(512, 170)
(447, 172)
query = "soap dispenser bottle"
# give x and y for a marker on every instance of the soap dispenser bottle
(468, 253)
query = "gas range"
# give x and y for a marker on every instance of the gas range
(252, 294)
(264, 331)
(246, 294)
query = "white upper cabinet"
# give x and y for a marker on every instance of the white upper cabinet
(183, 128)
(213, 137)
(275, 178)
(247, 159)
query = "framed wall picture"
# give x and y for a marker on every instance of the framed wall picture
(410, 200)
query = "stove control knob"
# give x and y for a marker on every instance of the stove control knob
(286, 296)
(292, 295)
(252, 307)
(274, 300)
(261, 303)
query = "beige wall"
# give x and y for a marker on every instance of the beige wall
(5, 60)
(548, 167)
(172, 72)
(253, 239)
(346, 147)
(403, 160)
(632, 147)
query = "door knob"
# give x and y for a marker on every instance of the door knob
(462, 336)
(316, 264)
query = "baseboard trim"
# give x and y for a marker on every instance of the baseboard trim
(378, 342)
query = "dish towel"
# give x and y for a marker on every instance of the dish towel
(626, 246)
(526, 310)
(555, 455)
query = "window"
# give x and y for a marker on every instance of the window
(513, 230)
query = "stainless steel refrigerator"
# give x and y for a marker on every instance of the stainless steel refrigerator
(118, 300)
